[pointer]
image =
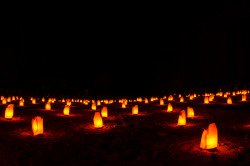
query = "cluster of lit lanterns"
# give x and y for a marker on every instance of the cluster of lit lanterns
(209, 138)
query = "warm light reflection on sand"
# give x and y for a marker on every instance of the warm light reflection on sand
(92, 129)
(70, 115)
(14, 119)
(188, 124)
(46, 134)
(224, 151)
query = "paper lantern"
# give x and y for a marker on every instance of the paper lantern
(146, 100)
(206, 101)
(139, 99)
(93, 107)
(229, 100)
(34, 101)
(37, 125)
(170, 98)
(63, 100)
(233, 93)
(68, 103)
(8, 99)
(98, 120)
(182, 118)
(210, 98)
(124, 104)
(244, 97)
(135, 110)
(98, 102)
(190, 112)
(13, 98)
(2, 97)
(9, 111)
(47, 106)
(104, 111)
(195, 95)
(209, 138)
(170, 107)
(191, 97)
(66, 110)
(4, 101)
(161, 101)
(21, 102)
(43, 100)
(181, 99)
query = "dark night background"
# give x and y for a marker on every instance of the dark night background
(136, 50)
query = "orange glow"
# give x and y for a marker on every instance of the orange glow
(182, 118)
(152, 99)
(63, 100)
(98, 120)
(135, 110)
(37, 125)
(225, 95)
(161, 101)
(191, 97)
(13, 98)
(233, 93)
(181, 99)
(244, 98)
(34, 101)
(170, 98)
(170, 107)
(4, 101)
(43, 100)
(9, 111)
(210, 98)
(229, 100)
(209, 138)
(195, 95)
(2, 97)
(8, 99)
(146, 100)
(139, 99)
(21, 102)
(123, 104)
(93, 107)
(68, 102)
(66, 110)
(47, 106)
(206, 101)
(190, 112)
(98, 102)
(104, 111)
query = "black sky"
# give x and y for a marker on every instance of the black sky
(137, 50)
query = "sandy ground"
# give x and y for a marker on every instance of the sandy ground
(150, 138)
